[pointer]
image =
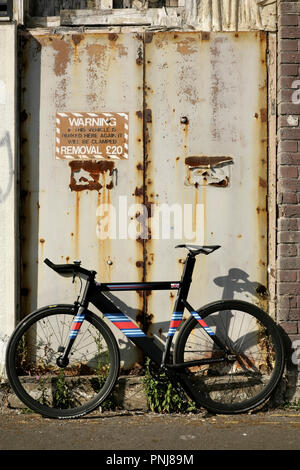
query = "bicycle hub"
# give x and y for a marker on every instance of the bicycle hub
(62, 361)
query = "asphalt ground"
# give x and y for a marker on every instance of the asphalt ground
(117, 434)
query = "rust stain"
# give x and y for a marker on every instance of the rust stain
(205, 36)
(207, 161)
(64, 52)
(221, 184)
(104, 245)
(262, 182)
(122, 50)
(90, 178)
(109, 185)
(185, 47)
(191, 93)
(148, 115)
(148, 37)
(112, 36)
(195, 210)
(260, 210)
(139, 191)
(96, 54)
(144, 319)
(264, 115)
(77, 224)
(77, 38)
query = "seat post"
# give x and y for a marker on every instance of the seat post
(189, 264)
(179, 306)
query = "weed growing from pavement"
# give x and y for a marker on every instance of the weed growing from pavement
(162, 396)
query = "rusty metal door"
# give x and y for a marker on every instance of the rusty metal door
(196, 107)
(207, 148)
(62, 198)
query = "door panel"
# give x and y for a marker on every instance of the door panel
(197, 159)
(62, 199)
(207, 96)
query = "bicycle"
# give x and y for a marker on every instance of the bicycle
(63, 361)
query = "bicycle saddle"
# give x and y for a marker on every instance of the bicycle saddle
(197, 249)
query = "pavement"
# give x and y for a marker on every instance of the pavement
(135, 433)
(117, 433)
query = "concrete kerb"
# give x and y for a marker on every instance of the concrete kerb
(128, 394)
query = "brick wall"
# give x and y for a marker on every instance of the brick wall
(288, 171)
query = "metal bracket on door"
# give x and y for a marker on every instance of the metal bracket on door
(208, 171)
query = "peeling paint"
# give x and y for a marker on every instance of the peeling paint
(192, 75)
(63, 54)
(207, 161)
(213, 157)
(87, 175)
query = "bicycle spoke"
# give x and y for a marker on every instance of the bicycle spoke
(233, 382)
(45, 384)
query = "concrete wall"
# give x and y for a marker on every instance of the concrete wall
(8, 177)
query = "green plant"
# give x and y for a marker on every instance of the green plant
(291, 405)
(162, 396)
(62, 396)
(26, 410)
(102, 369)
(42, 388)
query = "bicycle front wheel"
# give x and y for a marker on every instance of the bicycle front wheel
(244, 382)
(62, 392)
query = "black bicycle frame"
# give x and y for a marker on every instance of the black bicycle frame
(95, 293)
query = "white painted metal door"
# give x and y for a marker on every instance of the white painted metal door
(207, 146)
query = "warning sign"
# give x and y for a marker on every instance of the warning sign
(92, 136)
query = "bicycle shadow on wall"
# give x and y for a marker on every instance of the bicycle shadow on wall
(237, 281)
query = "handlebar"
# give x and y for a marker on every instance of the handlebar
(70, 270)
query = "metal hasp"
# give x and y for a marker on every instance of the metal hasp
(204, 171)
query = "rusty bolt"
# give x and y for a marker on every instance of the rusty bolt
(184, 120)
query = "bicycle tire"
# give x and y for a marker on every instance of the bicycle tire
(246, 383)
(56, 392)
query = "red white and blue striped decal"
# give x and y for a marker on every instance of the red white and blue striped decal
(175, 322)
(125, 325)
(203, 324)
(77, 322)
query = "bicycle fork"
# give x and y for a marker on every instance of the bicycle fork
(80, 308)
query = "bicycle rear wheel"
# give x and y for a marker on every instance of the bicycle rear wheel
(62, 392)
(238, 385)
